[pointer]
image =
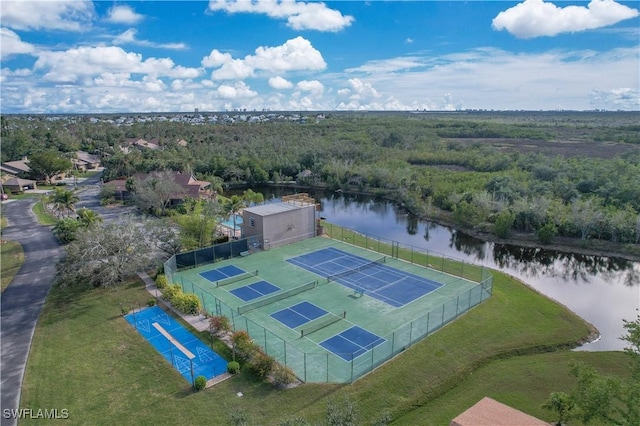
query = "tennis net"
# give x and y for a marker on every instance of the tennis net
(336, 277)
(322, 323)
(278, 296)
(236, 278)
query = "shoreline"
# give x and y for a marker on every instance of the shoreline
(604, 248)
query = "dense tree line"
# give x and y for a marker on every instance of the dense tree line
(429, 163)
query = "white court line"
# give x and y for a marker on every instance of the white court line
(169, 337)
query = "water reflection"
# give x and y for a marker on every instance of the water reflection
(602, 290)
(535, 262)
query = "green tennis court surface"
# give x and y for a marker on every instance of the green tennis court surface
(331, 311)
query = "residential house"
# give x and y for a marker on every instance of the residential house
(84, 161)
(16, 168)
(152, 144)
(191, 187)
(16, 185)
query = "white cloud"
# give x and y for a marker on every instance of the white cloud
(216, 59)
(13, 45)
(535, 18)
(65, 15)
(280, 83)
(78, 64)
(494, 78)
(313, 86)
(129, 37)
(122, 14)
(294, 55)
(299, 15)
(238, 91)
(624, 98)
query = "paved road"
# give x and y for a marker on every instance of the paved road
(22, 301)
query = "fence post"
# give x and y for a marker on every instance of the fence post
(410, 333)
(327, 367)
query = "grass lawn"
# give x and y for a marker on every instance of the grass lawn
(87, 359)
(44, 218)
(11, 259)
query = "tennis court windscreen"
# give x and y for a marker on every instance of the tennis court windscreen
(278, 296)
(336, 277)
(236, 278)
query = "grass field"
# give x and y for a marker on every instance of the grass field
(87, 359)
(11, 259)
(44, 218)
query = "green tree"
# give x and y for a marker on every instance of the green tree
(88, 218)
(197, 225)
(48, 164)
(232, 206)
(65, 229)
(155, 192)
(563, 404)
(547, 232)
(63, 202)
(105, 254)
(504, 223)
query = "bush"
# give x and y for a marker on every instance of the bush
(200, 383)
(170, 292)
(187, 303)
(233, 367)
(547, 233)
(161, 281)
(282, 376)
(243, 345)
(504, 223)
(219, 323)
(151, 302)
(261, 364)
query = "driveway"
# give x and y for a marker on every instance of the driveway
(22, 301)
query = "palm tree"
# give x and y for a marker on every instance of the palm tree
(88, 217)
(231, 207)
(252, 197)
(63, 201)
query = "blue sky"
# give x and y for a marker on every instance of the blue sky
(144, 56)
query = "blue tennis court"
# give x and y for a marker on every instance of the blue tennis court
(352, 343)
(385, 283)
(255, 290)
(225, 272)
(297, 315)
(184, 351)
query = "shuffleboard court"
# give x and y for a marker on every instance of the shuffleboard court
(225, 272)
(255, 290)
(185, 352)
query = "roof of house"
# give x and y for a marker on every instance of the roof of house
(18, 182)
(85, 157)
(489, 412)
(14, 167)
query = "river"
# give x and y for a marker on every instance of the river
(602, 290)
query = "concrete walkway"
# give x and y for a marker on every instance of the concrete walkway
(22, 301)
